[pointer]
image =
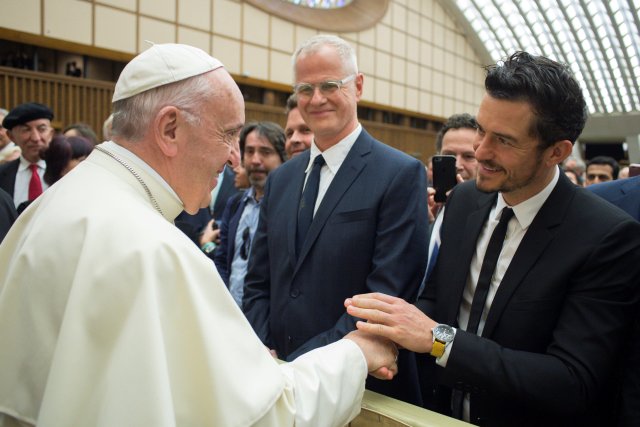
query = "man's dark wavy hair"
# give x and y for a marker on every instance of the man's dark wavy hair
(550, 88)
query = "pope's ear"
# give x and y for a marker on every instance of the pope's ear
(166, 130)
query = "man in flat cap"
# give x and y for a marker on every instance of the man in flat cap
(109, 315)
(29, 126)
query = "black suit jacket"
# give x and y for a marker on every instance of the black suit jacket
(227, 190)
(8, 213)
(8, 173)
(369, 235)
(556, 329)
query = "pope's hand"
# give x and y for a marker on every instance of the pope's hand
(381, 354)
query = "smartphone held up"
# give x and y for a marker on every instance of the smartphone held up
(444, 176)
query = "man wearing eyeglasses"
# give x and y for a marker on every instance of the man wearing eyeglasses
(29, 126)
(262, 149)
(348, 214)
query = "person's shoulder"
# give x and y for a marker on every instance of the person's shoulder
(13, 164)
(391, 154)
(607, 188)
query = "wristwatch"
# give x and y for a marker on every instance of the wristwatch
(442, 335)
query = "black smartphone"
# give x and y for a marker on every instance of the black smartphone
(444, 176)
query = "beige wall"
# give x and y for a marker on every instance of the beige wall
(415, 59)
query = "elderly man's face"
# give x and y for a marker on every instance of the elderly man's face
(214, 142)
(331, 115)
(32, 137)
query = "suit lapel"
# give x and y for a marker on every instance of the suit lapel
(535, 240)
(353, 164)
(473, 226)
(296, 182)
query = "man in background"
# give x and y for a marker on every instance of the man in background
(262, 150)
(455, 138)
(297, 133)
(29, 126)
(110, 316)
(601, 169)
(347, 215)
(8, 149)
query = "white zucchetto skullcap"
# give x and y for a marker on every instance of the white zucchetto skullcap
(162, 64)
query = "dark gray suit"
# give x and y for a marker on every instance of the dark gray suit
(369, 235)
(8, 173)
(8, 213)
(555, 333)
(625, 194)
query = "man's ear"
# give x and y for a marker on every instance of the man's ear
(359, 85)
(559, 151)
(166, 125)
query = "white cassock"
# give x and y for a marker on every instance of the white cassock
(110, 316)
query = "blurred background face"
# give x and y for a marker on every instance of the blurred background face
(260, 158)
(297, 133)
(459, 143)
(598, 173)
(241, 180)
(32, 137)
(4, 138)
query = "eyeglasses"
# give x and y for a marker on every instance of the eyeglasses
(246, 244)
(328, 87)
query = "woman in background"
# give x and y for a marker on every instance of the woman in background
(64, 153)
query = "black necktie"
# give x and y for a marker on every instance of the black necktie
(308, 202)
(482, 289)
(486, 272)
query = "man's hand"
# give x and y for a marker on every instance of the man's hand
(393, 318)
(210, 233)
(380, 353)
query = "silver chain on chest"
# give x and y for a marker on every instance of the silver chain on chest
(135, 174)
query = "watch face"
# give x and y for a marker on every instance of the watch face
(444, 333)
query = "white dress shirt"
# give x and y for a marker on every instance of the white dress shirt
(333, 157)
(23, 177)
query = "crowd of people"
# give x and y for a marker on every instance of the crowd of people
(188, 251)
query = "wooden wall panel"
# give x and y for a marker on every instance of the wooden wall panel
(89, 101)
(71, 99)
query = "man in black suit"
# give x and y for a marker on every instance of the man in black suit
(29, 126)
(369, 231)
(536, 336)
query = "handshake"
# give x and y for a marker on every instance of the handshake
(389, 320)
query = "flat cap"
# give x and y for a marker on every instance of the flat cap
(162, 64)
(24, 113)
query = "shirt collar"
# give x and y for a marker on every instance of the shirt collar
(526, 211)
(24, 164)
(249, 194)
(335, 155)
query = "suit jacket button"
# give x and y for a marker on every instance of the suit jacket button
(294, 293)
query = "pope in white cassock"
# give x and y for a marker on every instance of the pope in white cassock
(110, 316)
